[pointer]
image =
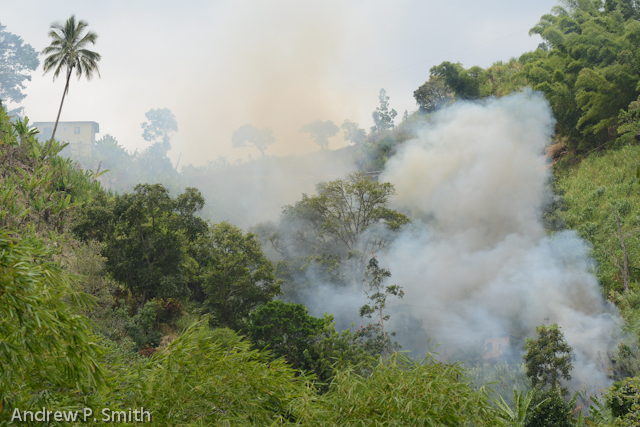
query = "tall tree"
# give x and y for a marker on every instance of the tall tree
(321, 132)
(147, 237)
(160, 124)
(383, 117)
(432, 94)
(348, 219)
(237, 276)
(353, 133)
(247, 135)
(68, 50)
(378, 340)
(548, 358)
(17, 59)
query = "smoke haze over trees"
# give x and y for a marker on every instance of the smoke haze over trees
(272, 291)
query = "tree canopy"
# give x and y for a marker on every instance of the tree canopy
(249, 135)
(548, 357)
(321, 132)
(145, 234)
(160, 124)
(382, 116)
(17, 60)
(337, 228)
(237, 277)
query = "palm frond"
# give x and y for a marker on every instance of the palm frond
(67, 49)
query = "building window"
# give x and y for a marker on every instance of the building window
(489, 346)
(48, 131)
(76, 130)
(64, 129)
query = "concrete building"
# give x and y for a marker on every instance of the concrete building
(81, 136)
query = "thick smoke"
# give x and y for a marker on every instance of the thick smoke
(479, 264)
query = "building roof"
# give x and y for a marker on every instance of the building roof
(96, 126)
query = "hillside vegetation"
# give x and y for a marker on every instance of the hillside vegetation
(126, 297)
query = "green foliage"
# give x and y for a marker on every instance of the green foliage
(200, 381)
(335, 229)
(382, 116)
(623, 398)
(141, 327)
(403, 392)
(600, 413)
(377, 340)
(38, 190)
(548, 408)
(588, 68)
(237, 277)
(600, 189)
(333, 351)
(46, 345)
(145, 235)
(464, 83)
(17, 60)
(629, 123)
(433, 94)
(379, 147)
(286, 329)
(307, 343)
(521, 407)
(548, 358)
(501, 378)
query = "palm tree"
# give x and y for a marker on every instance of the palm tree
(68, 49)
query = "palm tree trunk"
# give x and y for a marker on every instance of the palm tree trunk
(66, 89)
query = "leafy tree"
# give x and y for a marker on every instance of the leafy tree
(548, 408)
(321, 132)
(382, 116)
(287, 329)
(145, 235)
(623, 400)
(378, 293)
(629, 122)
(141, 327)
(308, 343)
(160, 124)
(353, 133)
(464, 83)
(432, 94)
(628, 8)
(237, 277)
(247, 135)
(68, 49)
(548, 358)
(337, 228)
(17, 60)
(588, 68)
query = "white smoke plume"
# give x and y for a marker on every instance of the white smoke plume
(479, 263)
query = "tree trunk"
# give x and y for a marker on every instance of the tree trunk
(66, 89)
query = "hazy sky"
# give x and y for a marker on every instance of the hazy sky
(220, 64)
